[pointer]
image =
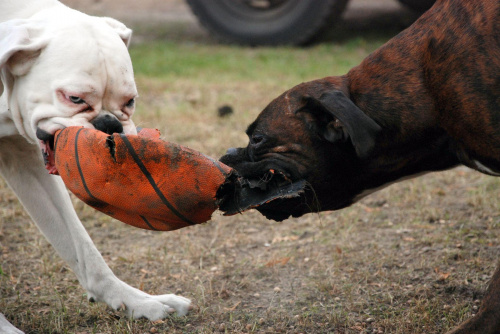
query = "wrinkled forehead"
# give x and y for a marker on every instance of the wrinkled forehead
(282, 120)
(87, 52)
(281, 108)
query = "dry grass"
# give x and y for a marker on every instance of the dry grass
(413, 258)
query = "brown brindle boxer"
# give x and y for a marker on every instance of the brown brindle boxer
(428, 100)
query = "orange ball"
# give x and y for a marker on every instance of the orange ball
(139, 179)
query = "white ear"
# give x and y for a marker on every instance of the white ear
(21, 42)
(121, 29)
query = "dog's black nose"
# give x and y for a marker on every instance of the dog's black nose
(108, 124)
(43, 135)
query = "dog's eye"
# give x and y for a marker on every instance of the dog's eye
(255, 139)
(76, 100)
(130, 103)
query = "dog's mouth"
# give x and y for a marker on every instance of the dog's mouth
(243, 194)
(46, 141)
(281, 189)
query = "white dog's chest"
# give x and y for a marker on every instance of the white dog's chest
(7, 126)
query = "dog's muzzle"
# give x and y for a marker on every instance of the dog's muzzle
(108, 124)
(105, 123)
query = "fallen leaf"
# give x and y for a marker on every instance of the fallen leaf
(441, 275)
(230, 309)
(281, 261)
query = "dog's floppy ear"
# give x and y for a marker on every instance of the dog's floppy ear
(121, 29)
(338, 118)
(21, 42)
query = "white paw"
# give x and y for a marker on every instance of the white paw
(138, 304)
(7, 328)
(156, 307)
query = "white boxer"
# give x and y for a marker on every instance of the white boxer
(59, 68)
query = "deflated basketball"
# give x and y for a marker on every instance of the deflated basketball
(139, 179)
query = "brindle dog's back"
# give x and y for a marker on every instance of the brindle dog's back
(445, 78)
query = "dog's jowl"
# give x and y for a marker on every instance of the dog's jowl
(427, 100)
(60, 68)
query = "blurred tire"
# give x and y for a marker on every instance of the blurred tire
(418, 5)
(267, 22)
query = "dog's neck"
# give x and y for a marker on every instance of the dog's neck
(412, 141)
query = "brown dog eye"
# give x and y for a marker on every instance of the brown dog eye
(256, 139)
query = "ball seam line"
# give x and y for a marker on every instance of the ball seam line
(148, 223)
(77, 159)
(148, 175)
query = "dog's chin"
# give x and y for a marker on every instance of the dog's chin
(281, 209)
(46, 141)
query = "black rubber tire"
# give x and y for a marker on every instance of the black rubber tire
(418, 5)
(295, 22)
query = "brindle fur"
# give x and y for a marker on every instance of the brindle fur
(434, 92)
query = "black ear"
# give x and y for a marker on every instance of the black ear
(339, 118)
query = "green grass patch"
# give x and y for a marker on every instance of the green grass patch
(216, 63)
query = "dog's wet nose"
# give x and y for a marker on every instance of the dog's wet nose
(108, 124)
(43, 135)
(232, 151)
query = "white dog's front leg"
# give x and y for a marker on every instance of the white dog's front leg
(47, 201)
(6, 327)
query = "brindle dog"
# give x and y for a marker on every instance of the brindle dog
(428, 100)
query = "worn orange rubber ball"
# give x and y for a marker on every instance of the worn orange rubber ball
(139, 179)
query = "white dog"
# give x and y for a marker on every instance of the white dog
(60, 67)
